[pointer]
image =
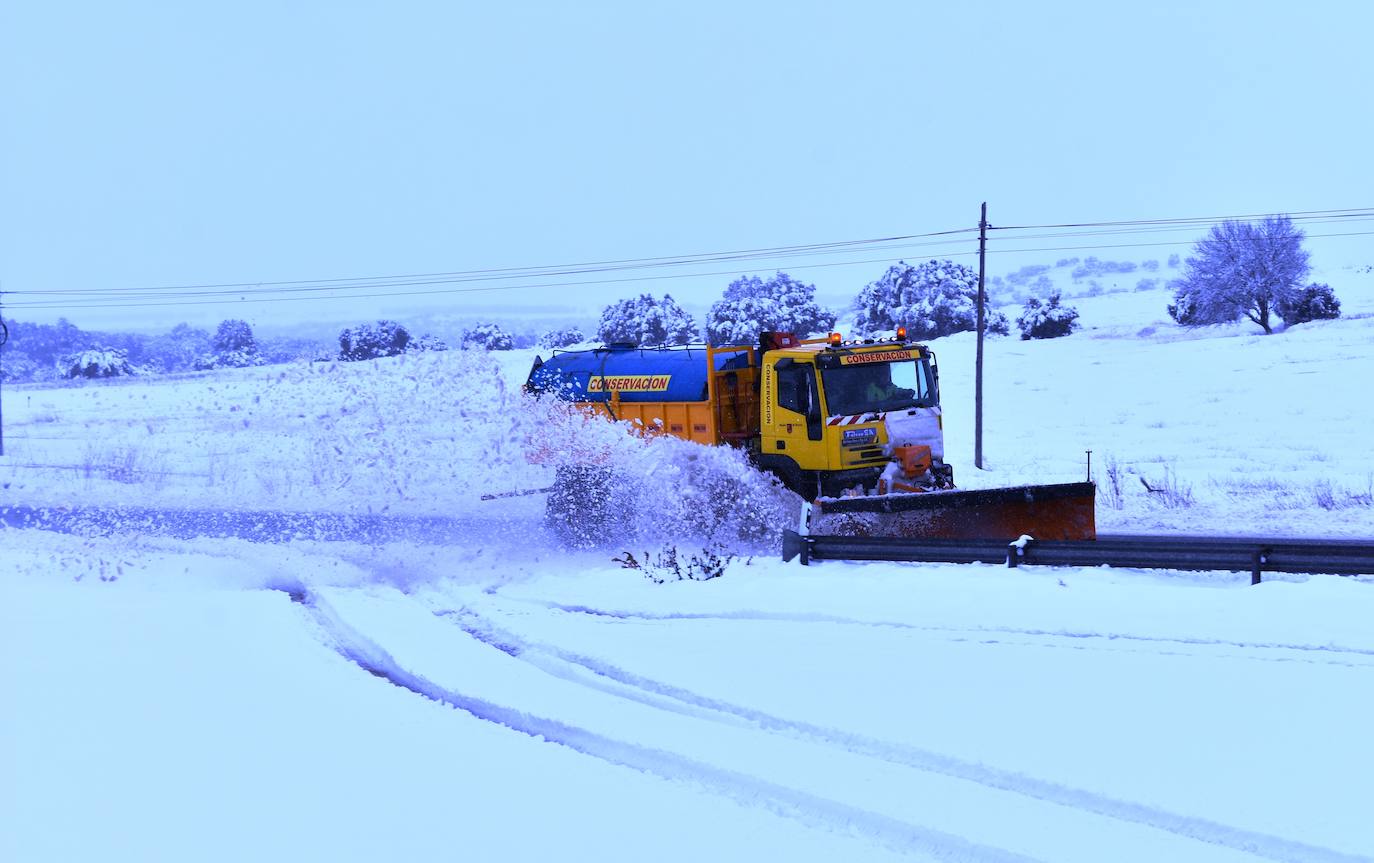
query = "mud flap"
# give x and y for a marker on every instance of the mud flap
(1063, 511)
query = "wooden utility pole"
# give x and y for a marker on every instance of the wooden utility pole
(978, 361)
(4, 337)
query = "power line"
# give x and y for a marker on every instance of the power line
(491, 288)
(1206, 220)
(560, 269)
(1146, 245)
(1173, 229)
(405, 281)
(350, 288)
(193, 300)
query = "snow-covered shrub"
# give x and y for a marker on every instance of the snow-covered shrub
(646, 321)
(1115, 490)
(1093, 267)
(561, 338)
(1170, 491)
(1147, 284)
(1024, 275)
(1184, 310)
(488, 337)
(669, 565)
(96, 363)
(752, 305)
(427, 343)
(933, 299)
(370, 341)
(1047, 320)
(285, 349)
(229, 360)
(1175, 260)
(1316, 302)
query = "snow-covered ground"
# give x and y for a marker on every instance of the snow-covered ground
(496, 697)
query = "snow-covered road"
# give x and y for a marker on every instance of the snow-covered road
(854, 711)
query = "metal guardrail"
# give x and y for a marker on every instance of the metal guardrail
(1222, 553)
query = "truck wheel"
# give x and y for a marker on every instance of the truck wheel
(790, 474)
(944, 475)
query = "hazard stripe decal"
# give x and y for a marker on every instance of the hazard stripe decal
(852, 419)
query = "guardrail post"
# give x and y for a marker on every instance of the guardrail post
(1016, 550)
(1256, 560)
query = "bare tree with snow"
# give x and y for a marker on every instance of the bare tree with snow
(1241, 268)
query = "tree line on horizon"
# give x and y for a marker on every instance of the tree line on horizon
(1240, 270)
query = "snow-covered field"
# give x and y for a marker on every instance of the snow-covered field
(496, 697)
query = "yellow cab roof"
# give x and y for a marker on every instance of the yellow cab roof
(812, 348)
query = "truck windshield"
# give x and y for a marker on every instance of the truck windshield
(865, 388)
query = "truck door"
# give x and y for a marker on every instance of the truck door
(798, 423)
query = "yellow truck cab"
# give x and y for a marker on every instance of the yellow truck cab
(831, 411)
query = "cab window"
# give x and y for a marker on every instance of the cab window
(797, 388)
(860, 389)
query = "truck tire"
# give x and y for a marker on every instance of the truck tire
(790, 474)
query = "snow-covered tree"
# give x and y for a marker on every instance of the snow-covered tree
(1248, 269)
(96, 363)
(47, 345)
(179, 349)
(234, 335)
(752, 305)
(1316, 302)
(233, 347)
(18, 367)
(561, 338)
(933, 299)
(488, 337)
(646, 321)
(1047, 320)
(370, 341)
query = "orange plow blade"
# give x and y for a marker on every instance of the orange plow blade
(1063, 511)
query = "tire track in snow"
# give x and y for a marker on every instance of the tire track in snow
(748, 615)
(611, 678)
(809, 809)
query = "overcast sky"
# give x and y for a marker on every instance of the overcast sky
(148, 145)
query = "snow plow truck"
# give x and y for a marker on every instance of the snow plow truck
(854, 427)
